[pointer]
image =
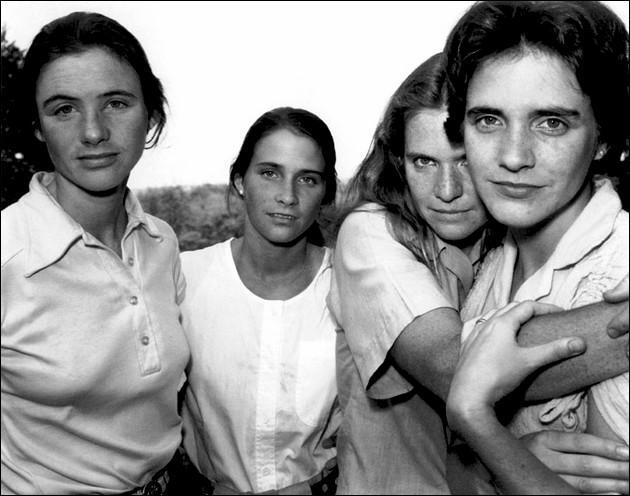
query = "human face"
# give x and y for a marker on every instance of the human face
(283, 187)
(92, 118)
(530, 136)
(439, 180)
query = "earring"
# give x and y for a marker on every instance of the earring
(601, 151)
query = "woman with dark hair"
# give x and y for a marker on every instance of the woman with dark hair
(261, 409)
(406, 256)
(93, 352)
(537, 88)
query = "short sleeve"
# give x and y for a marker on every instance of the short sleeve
(379, 288)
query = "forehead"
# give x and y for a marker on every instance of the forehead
(425, 134)
(289, 149)
(532, 79)
(93, 71)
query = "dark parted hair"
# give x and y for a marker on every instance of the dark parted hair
(77, 33)
(588, 36)
(300, 122)
(381, 177)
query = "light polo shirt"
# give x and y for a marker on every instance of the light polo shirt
(261, 401)
(392, 438)
(590, 258)
(92, 350)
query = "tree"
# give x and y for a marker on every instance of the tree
(20, 155)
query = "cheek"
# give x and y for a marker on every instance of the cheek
(58, 140)
(313, 202)
(136, 133)
(420, 189)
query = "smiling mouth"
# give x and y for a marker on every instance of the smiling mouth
(282, 216)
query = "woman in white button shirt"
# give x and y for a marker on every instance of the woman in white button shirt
(260, 407)
(93, 352)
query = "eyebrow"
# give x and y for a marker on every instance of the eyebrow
(108, 94)
(279, 166)
(483, 110)
(559, 111)
(411, 155)
(543, 112)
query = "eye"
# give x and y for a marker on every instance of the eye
(64, 110)
(487, 123)
(553, 125)
(310, 180)
(422, 162)
(117, 104)
(268, 173)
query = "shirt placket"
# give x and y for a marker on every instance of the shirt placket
(267, 395)
(126, 272)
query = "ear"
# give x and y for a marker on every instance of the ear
(38, 134)
(601, 151)
(238, 182)
(152, 122)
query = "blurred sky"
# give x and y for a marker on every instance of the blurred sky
(223, 64)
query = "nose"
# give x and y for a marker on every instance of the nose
(286, 194)
(448, 186)
(516, 150)
(94, 128)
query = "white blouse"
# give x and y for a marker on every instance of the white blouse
(261, 398)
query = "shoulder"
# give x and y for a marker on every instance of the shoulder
(163, 228)
(621, 224)
(616, 244)
(364, 220)
(13, 231)
(195, 260)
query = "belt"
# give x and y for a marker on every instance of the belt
(325, 482)
(322, 484)
(155, 487)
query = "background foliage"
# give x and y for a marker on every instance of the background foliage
(199, 215)
(20, 155)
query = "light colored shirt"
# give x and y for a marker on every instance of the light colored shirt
(92, 350)
(261, 396)
(392, 438)
(590, 258)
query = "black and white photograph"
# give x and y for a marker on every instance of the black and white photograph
(315, 247)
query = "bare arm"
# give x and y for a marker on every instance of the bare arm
(428, 349)
(604, 358)
(491, 365)
(620, 324)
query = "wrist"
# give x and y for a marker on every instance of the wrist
(465, 416)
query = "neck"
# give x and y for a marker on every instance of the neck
(272, 271)
(537, 244)
(469, 246)
(104, 216)
(266, 259)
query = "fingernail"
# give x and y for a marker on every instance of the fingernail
(613, 332)
(623, 452)
(576, 345)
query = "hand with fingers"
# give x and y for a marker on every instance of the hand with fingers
(589, 463)
(619, 325)
(491, 365)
